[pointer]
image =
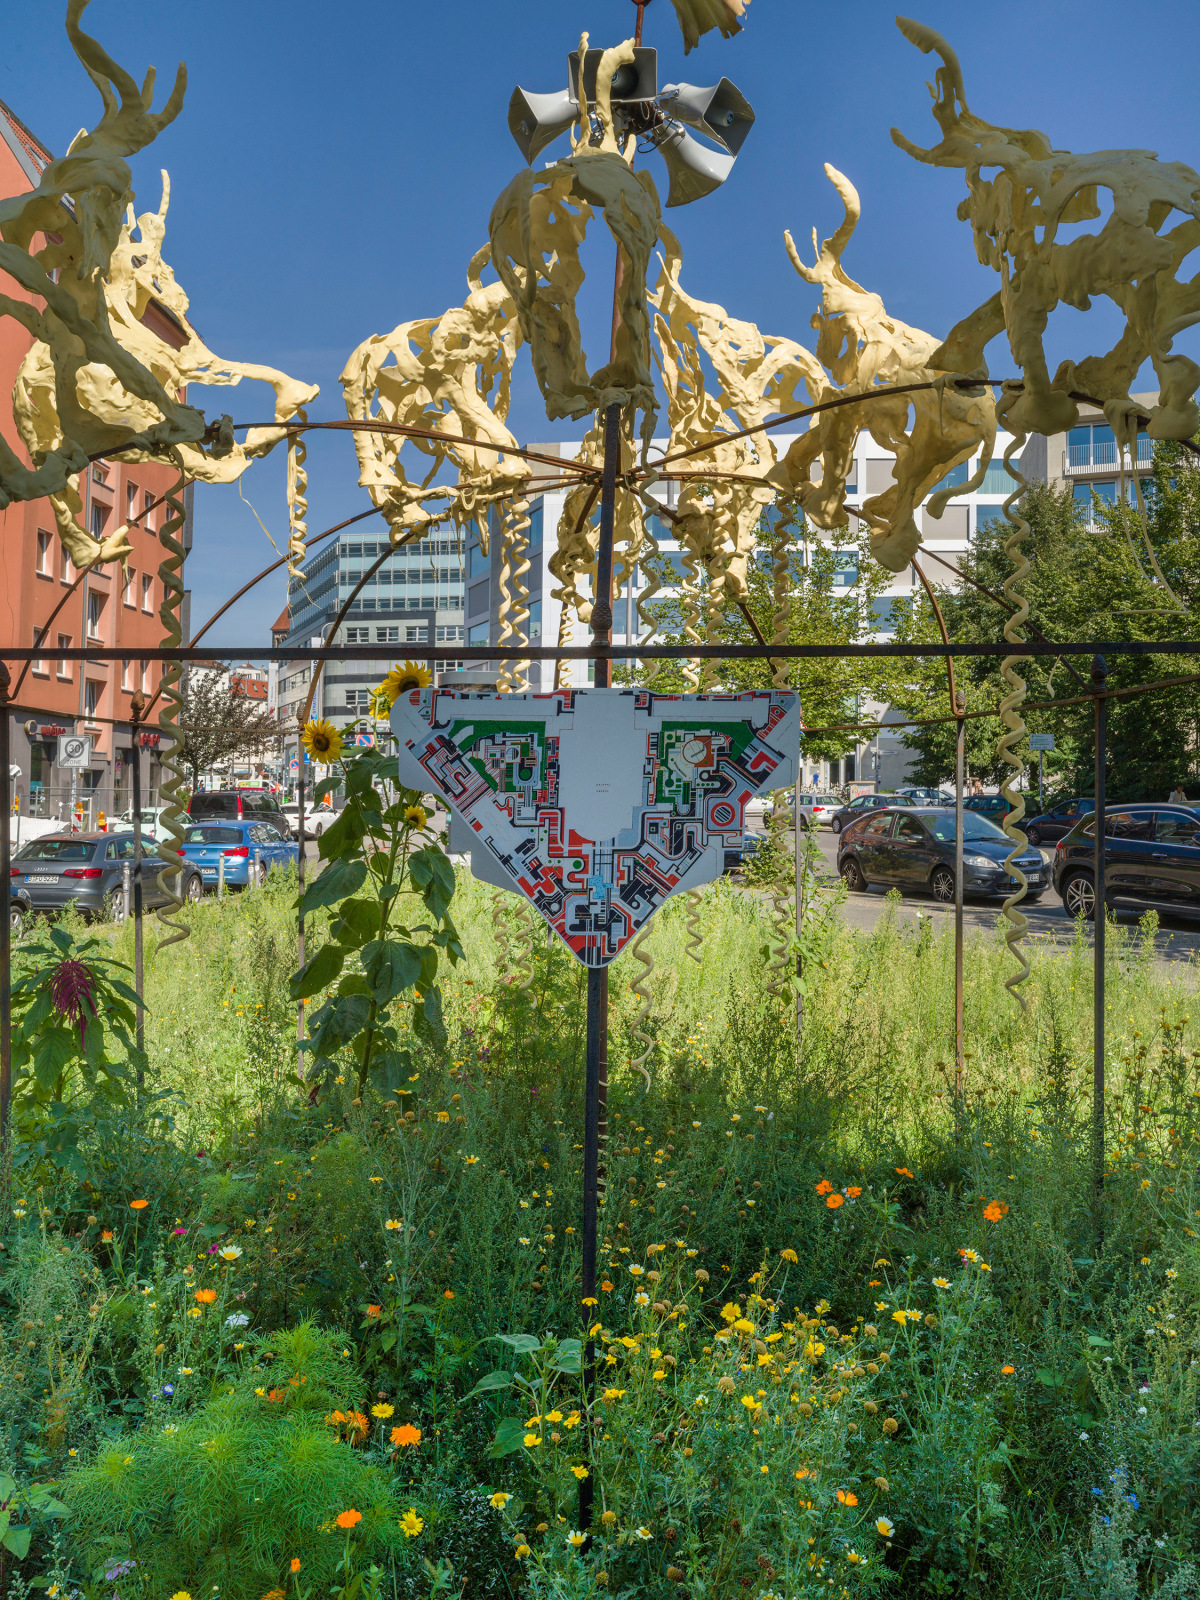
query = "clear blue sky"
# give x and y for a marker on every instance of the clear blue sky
(334, 167)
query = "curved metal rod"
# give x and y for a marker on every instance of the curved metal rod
(937, 611)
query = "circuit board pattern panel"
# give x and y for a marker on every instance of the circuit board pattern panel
(598, 805)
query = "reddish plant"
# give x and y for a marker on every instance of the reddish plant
(73, 993)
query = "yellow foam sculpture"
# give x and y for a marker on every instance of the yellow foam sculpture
(698, 17)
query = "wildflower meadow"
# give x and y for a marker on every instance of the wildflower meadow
(267, 1331)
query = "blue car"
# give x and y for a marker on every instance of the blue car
(250, 850)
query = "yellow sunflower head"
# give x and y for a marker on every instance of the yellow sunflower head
(416, 816)
(408, 675)
(322, 740)
(381, 703)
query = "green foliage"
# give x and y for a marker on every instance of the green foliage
(375, 954)
(1085, 584)
(228, 1495)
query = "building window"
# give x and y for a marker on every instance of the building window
(95, 606)
(64, 667)
(956, 477)
(387, 635)
(478, 563)
(358, 699)
(99, 518)
(479, 634)
(131, 494)
(64, 564)
(452, 635)
(534, 531)
(39, 665)
(144, 669)
(535, 620)
(126, 669)
(43, 554)
(416, 633)
(91, 697)
(127, 593)
(99, 474)
(147, 592)
(845, 569)
(358, 635)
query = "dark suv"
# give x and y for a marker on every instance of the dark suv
(915, 850)
(1151, 859)
(1057, 820)
(238, 805)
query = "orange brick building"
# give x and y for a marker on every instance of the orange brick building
(44, 599)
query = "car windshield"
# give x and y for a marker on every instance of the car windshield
(58, 850)
(974, 827)
(213, 835)
(213, 805)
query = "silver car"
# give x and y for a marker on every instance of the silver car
(88, 870)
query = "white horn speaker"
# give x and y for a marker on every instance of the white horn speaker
(723, 112)
(536, 120)
(694, 169)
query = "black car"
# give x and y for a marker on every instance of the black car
(863, 805)
(88, 870)
(239, 805)
(1057, 820)
(1151, 860)
(915, 850)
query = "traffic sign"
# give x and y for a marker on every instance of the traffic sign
(1041, 741)
(74, 750)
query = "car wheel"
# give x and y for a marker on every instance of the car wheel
(114, 906)
(194, 891)
(942, 885)
(1079, 896)
(16, 921)
(262, 873)
(836, 825)
(852, 874)
(1034, 835)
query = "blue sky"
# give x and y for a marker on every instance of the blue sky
(334, 167)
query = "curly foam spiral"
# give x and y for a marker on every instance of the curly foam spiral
(638, 987)
(297, 498)
(513, 616)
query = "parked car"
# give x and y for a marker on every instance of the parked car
(20, 907)
(915, 850)
(1151, 861)
(1057, 820)
(152, 823)
(818, 808)
(864, 804)
(88, 870)
(926, 797)
(316, 818)
(250, 850)
(238, 805)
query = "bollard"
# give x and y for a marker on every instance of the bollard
(126, 890)
(221, 876)
(257, 868)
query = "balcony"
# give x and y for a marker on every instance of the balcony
(1080, 460)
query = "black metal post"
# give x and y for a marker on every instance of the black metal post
(300, 885)
(960, 706)
(137, 707)
(1099, 674)
(5, 931)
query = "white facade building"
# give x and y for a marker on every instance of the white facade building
(946, 539)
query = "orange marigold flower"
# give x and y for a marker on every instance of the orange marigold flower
(904, 1172)
(206, 1296)
(347, 1519)
(356, 1422)
(295, 1563)
(833, 1201)
(854, 1191)
(447, 1294)
(406, 1434)
(274, 1394)
(335, 1417)
(995, 1211)
(138, 1205)
(824, 1186)
(847, 1498)
(374, 1311)
(1008, 1371)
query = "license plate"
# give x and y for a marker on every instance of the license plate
(42, 880)
(208, 872)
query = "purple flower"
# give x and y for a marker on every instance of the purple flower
(178, 1231)
(168, 1390)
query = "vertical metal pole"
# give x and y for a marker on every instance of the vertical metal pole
(960, 707)
(597, 1029)
(221, 876)
(126, 891)
(1041, 797)
(257, 884)
(1099, 674)
(137, 707)
(300, 885)
(5, 930)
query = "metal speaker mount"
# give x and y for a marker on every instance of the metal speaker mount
(694, 169)
(723, 112)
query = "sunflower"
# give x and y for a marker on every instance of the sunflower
(416, 816)
(322, 740)
(409, 675)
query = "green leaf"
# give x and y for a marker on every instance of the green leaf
(509, 1437)
(56, 1050)
(338, 1023)
(317, 973)
(490, 1384)
(16, 1541)
(427, 1019)
(525, 1343)
(355, 922)
(1050, 1380)
(390, 1069)
(343, 836)
(432, 873)
(391, 968)
(339, 880)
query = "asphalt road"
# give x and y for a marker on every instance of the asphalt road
(1177, 941)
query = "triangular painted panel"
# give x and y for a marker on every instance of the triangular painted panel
(597, 804)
